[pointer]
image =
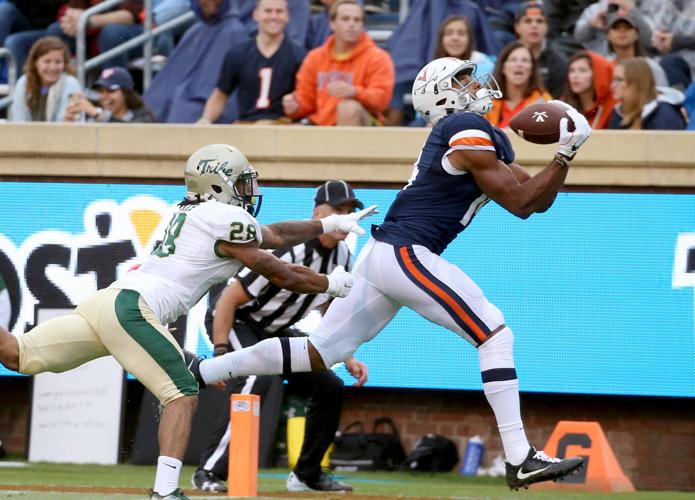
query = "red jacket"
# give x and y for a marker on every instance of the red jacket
(604, 102)
(368, 68)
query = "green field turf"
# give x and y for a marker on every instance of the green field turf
(271, 482)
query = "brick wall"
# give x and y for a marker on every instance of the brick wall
(653, 438)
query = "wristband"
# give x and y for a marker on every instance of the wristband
(220, 349)
(561, 160)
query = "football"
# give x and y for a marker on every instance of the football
(540, 123)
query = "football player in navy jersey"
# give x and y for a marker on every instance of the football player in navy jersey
(464, 163)
(262, 70)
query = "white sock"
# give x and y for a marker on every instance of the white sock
(501, 388)
(268, 357)
(504, 400)
(167, 478)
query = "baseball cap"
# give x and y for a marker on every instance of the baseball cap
(528, 9)
(115, 78)
(621, 15)
(336, 193)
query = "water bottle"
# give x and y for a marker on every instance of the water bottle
(473, 456)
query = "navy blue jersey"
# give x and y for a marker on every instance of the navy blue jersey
(261, 81)
(439, 200)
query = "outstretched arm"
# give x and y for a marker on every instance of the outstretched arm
(510, 185)
(500, 182)
(290, 233)
(522, 176)
(293, 277)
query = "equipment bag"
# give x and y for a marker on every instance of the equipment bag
(359, 450)
(432, 453)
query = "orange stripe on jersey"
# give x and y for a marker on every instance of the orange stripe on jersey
(451, 302)
(472, 141)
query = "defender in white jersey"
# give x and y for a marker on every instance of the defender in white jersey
(211, 235)
(464, 163)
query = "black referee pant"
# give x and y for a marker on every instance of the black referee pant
(324, 391)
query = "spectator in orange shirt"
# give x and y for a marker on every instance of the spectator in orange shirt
(346, 81)
(519, 80)
(588, 87)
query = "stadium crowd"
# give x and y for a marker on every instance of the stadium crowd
(623, 63)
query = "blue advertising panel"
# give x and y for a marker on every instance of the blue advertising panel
(598, 290)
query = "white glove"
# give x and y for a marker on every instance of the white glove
(346, 222)
(570, 141)
(339, 282)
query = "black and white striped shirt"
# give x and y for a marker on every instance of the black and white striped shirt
(275, 309)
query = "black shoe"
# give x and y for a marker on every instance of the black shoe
(193, 365)
(540, 467)
(325, 482)
(177, 494)
(206, 480)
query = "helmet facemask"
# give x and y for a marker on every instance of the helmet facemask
(450, 86)
(476, 96)
(247, 194)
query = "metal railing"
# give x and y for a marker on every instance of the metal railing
(146, 39)
(83, 65)
(403, 10)
(11, 76)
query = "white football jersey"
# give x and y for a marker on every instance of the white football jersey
(186, 264)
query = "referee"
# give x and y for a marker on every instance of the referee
(251, 309)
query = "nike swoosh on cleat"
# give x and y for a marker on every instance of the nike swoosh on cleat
(522, 475)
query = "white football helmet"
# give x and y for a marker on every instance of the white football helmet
(439, 89)
(223, 173)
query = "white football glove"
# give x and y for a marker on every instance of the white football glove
(339, 282)
(346, 222)
(571, 141)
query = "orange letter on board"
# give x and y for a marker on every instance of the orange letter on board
(601, 471)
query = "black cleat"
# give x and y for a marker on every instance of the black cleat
(539, 467)
(206, 480)
(193, 364)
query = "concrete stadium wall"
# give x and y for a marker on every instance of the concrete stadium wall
(295, 154)
(646, 433)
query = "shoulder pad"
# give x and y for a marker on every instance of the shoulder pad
(469, 120)
(469, 131)
(232, 223)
